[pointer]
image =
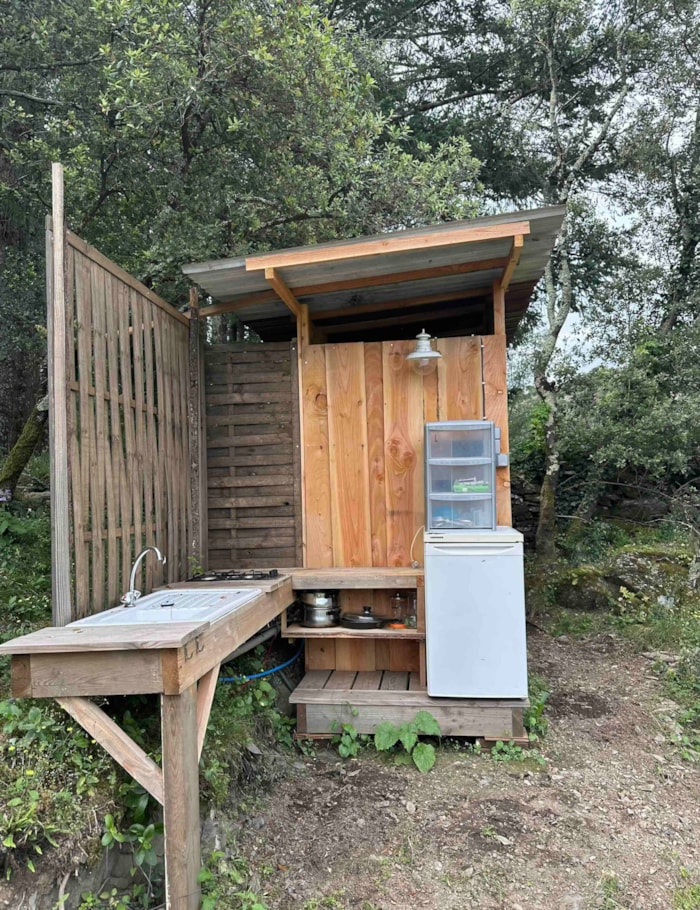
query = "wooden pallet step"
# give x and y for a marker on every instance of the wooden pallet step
(327, 698)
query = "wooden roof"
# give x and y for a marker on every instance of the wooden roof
(390, 285)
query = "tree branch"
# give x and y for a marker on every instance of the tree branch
(25, 96)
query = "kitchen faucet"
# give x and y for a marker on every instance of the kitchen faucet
(132, 595)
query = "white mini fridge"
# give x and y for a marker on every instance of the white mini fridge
(475, 615)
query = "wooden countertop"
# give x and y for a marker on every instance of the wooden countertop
(71, 639)
(135, 659)
(359, 577)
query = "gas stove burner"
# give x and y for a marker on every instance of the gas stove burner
(235, 575)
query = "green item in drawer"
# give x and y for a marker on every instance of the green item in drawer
(469, 486)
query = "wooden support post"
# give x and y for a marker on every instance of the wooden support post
(195, 410)
(297, 452)
(116, 742)
(206, 689)
(499, 308)
(61, 599)
(496, 397)
(303, 327)
(303, 341)
(181, 802)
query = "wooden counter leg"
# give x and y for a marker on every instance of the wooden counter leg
(181, 800)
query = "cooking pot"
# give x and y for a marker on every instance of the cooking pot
(364, 620)
(320, 609)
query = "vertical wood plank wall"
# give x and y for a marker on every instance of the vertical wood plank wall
(253, 476)
(127, 386)
(364, 411)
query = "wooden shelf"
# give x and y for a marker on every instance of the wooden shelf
(298, 631)
(368, 578)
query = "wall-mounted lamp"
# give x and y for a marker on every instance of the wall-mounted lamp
(423, 359)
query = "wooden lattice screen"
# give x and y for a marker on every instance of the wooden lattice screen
(126, 395)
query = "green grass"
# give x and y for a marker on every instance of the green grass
(687, 898)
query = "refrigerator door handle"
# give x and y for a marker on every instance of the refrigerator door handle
(455, 549)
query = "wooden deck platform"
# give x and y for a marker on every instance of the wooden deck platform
(325, 698)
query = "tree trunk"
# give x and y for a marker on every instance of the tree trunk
(546, 535)
(23, 449)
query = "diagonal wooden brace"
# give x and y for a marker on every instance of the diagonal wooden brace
(205, 696)
(116, 742)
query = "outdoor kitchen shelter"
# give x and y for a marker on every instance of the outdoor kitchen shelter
(302, 454)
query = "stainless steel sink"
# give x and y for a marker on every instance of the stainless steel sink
(175, 605)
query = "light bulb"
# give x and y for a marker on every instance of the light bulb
(424, 365)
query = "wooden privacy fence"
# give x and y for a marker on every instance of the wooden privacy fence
(253, 455)
(126, 447)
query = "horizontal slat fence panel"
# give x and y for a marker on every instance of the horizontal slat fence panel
(127, 387)
(254, 514)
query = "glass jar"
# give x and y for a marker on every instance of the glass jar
(399, 607)
(412, 614)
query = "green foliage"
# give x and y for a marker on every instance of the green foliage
(507, 751)
(615, 419)
(241, 713)
(686, 897)
(25, 570)
(348, 741)
(534, 718)
(225, 885)
(113, 900)
(593, 541)
(138, 837)
(423, 755)
(244, 126)
(682, 682)
(609, 890)
(387, 736)
(527, 419)
(52, 779)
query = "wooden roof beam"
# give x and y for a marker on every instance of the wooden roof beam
(438, 271)
(349, 284)
(398, 304)
(404, 319)
(513, 260)
(396, 242)
(218, 309)
(276, 282)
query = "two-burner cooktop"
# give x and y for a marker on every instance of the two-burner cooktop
(235, 575)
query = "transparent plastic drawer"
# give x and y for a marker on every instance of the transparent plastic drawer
(460, 478)
(471, 443)
(459, 512)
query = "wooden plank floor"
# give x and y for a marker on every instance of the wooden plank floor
(365, 699)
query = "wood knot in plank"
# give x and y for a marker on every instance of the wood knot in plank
(401, 454)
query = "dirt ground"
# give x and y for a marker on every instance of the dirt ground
(611, 820)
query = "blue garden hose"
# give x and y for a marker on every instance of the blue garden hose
(287, 663)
